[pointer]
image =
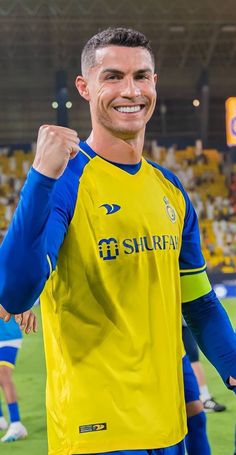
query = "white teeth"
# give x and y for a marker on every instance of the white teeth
(128, 108)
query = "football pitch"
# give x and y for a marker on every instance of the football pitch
(30, 380)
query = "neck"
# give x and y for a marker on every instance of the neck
(116, 149)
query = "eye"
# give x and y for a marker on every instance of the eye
(113, 77)
(142, 76)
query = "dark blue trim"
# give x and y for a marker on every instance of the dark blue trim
(130, 168)
(192, 273)
(175, 181)
(190, 255)
(84, 146)
(77, 164)
(168, 175)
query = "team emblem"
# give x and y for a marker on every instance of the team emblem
(170, 210)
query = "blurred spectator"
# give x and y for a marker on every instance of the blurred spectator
(155, 152)
(170, 159)
(197, 203)
(185, 174)
(199, 158)
(210, 207)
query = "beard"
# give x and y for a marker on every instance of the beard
(121, 129)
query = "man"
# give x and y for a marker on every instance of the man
(105, 236)
(10, 343)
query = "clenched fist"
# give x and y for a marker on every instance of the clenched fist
(56, 145)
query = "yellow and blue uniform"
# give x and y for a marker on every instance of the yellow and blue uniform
(119, 246)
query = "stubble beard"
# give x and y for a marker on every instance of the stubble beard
(121, 132)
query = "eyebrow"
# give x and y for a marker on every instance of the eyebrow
(119, 72)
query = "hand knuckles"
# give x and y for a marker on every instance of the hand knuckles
(44, 128)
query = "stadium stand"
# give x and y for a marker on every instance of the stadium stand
(204, 174)
(14, 166)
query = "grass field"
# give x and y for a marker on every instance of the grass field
(30, 380)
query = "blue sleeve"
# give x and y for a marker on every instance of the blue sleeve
(212, 329)
(30, 248)
(191, 259)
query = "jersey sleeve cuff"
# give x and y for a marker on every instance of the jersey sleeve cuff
(38, 178)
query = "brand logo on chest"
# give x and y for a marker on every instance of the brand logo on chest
(111, 208)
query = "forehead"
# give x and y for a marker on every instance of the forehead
(123, 58)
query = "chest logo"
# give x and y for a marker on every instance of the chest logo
(170, 210)
(111, 208)
(108, 248)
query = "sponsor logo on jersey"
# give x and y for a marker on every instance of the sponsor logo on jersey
(170, 210)
(92, 427)
(111, 208)
(110, 248)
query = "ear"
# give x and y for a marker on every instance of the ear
(82, 87)
(155, 78)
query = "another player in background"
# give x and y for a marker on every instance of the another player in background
(113, 242)
(192, 350)
(10, 343)
(196, 440)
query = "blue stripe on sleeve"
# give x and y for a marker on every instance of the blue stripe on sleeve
(190, 255)
(212, 329)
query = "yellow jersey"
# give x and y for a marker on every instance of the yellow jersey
(112, 308)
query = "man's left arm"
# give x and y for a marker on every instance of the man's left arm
(201, 308)
(214, 333)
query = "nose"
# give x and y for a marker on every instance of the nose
(130, 88)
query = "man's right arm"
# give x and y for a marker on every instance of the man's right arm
(30, 248)
(24, 259)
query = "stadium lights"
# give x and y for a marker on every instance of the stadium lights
(220, 290)
(177, 28)
(228, 28)
(196, 103)
(55, 104)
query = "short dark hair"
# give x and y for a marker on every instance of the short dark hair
(117, 36)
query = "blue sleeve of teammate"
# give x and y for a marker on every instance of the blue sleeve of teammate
(30, 249)
(212, 329)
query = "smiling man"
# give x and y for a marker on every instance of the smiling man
(120, 87)
(112, 243)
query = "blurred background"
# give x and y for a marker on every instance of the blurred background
(195, 49)
(194, 43)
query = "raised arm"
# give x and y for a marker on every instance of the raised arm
(30, 248)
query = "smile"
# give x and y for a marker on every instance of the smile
(129, 109)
